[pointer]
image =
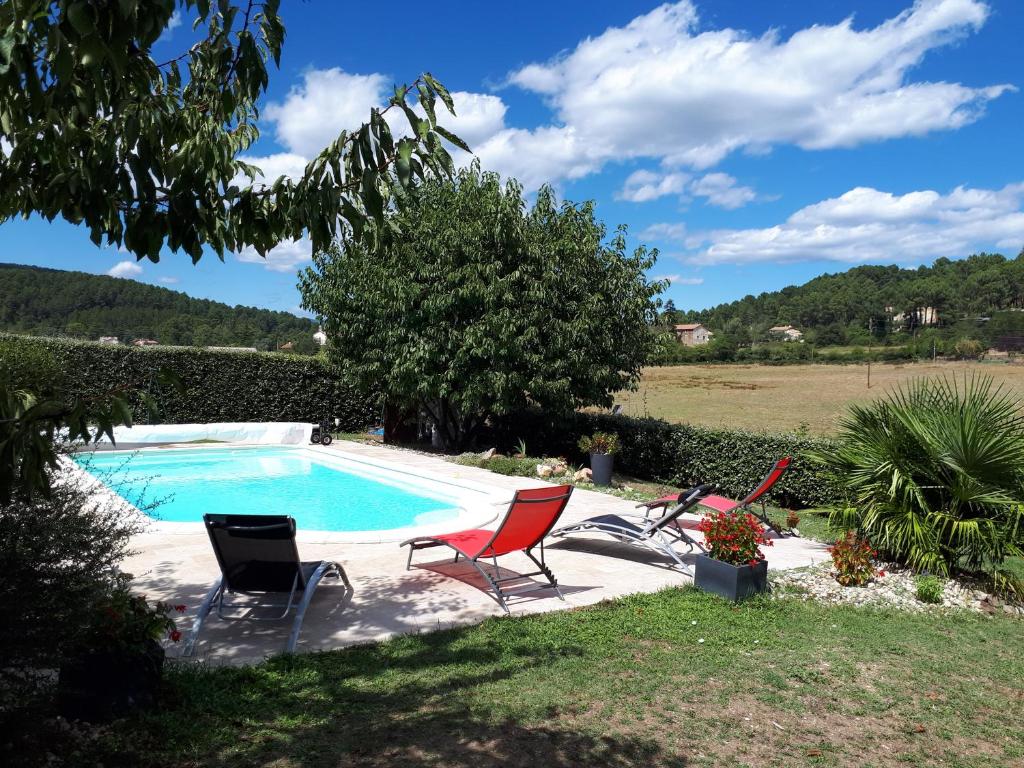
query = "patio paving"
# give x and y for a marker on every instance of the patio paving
(387, 600)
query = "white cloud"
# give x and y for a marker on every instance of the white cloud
(722, 190)
(328, 101)
(663, 232)
(869, 225)
(539, 156)
(174, 22)
(642, 186)
(288, 256)
(272, 167)
(325, 103)
(125, 268)
(718, 189)
(168, 280)
(680, 280)
(662, 88)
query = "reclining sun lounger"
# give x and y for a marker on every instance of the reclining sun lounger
(531, 515)
(660, 535)
(257, 556)
(723, 504)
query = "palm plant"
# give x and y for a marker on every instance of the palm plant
(935, 476)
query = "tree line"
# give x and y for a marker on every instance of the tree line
(51, 302)
(869, 305)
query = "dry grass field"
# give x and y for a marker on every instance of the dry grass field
(783, 398)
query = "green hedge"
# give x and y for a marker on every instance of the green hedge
(258, 386)
(219, 386)
(681, 454)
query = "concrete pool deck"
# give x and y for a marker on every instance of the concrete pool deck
(387, 600)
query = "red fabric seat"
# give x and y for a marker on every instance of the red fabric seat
(719, 503)
(530, 517)
(470, 543)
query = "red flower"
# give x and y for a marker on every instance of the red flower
(175, 635)
(180, 608)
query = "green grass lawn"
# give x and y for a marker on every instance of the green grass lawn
(671, 679)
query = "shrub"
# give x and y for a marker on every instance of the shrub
(59, 558)
(517, 466)
(126, 621)
(929, 589)
(934, 476)
(683, 455)
(508, 465)
(734, 537)
(600, 442)
(853, 558)
(218, 386)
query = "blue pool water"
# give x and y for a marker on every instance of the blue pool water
(191, 482)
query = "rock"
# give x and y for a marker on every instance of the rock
(560, 468)
(488, 454)
(543, 470)
(583, 476)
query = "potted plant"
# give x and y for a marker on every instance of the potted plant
(734, 566)
(116, 663)
(602, 447)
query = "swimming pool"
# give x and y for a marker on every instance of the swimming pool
(321, 490)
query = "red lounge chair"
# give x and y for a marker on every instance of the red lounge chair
(722, 504)
(531, 515)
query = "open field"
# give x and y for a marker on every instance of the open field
(781, 398)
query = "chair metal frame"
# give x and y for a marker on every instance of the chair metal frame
(660, 535)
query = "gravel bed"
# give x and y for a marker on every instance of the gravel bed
(895, 589)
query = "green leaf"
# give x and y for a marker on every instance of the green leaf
(80, 14)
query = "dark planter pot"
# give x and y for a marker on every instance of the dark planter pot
(601, 468)
(733, 582)
(104, 685)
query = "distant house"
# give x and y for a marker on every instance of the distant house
(286, 347)
(916, 317)
(144, 343)
(320, 337)
(109, 340)
(692, 334)
(786, 333)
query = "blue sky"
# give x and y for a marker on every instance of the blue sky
(755, 144)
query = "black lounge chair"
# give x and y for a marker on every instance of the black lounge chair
(660, 535)
(257, 556)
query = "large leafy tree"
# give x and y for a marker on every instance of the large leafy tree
(483, 306)
(144, 151)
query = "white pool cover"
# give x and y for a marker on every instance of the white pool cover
(259, 433)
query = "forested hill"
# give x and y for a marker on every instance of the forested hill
(52, 302)
(861, 297)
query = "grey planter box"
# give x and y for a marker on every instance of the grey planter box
(733, 582)
(601, 468)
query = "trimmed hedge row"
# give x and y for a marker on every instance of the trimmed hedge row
(257, 386)
(219, 386)
(683, 455)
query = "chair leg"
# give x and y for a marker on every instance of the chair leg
(189, 648)
(542, 565)
(492, 583)
(307, 595)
